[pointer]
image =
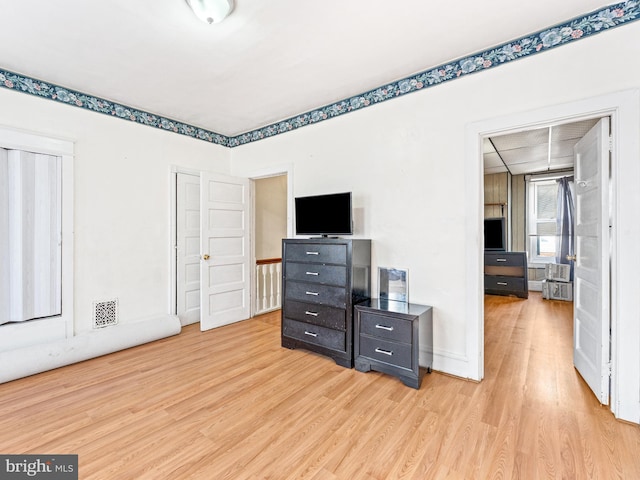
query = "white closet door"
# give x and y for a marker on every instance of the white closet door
(33, 222)
(188, 248)
(4, 237)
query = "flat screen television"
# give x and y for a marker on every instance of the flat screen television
(324, 215)
(494, 234)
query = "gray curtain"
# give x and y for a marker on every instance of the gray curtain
(565, 222)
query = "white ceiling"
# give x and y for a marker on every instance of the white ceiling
(534, 151)
(268, 61)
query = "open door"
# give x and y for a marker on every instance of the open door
(591, 317)
(224, 248)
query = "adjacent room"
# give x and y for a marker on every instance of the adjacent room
(164, 241)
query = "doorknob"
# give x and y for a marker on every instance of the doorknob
(571, 258)
(205, 257)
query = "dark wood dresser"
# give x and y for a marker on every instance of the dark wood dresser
(323, 279)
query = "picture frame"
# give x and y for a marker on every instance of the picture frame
(393, 284)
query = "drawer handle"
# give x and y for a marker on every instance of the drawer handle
(313, 314)
(311, 334)
(501, 259)
(384, 327)
(502, 283)
(315, 294)
(313, 253)
(386, 352)
(315, 274)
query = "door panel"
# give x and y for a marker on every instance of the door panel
(225, 253)
(188, 248)
(591, 304)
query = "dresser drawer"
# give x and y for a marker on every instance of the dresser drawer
(393, 353)
(505, 259)
(316, 314)
(501, 283)
(383, 326)
(316, 253)
(324, 274)
(316, 293)
(314, 334)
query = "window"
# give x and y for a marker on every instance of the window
(541, 219)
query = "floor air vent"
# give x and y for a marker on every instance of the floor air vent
(105, 313)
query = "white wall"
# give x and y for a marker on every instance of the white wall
(270, 216)
(404, 162)
(122, 191)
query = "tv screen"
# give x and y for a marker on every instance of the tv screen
(324, 214)
(494, 234)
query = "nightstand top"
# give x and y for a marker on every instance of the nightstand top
(393, 306)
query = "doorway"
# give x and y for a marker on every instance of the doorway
(270, 227)
(624, 110)
(540, 164)
(210, 248)
(268, 223)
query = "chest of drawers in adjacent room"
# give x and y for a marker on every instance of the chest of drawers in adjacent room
(505, 273)
(322, 280)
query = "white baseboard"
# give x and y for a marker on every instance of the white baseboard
(446, 362)
(31, 332)
(29, 360)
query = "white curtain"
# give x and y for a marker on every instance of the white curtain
(30, 236)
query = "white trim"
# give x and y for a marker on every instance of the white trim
(32, 142)
(12, 138)
(624, 109)
(274, 171)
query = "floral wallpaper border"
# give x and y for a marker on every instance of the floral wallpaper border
(581, 27)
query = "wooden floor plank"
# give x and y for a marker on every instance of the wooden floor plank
(231, 403)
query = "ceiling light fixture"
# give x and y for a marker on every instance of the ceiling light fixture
(211, 11)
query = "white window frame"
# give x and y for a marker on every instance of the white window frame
(532, 218)
(62, 326)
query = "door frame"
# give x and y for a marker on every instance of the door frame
(257, 174)
(252, 175)
(624, 110)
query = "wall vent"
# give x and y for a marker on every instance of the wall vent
(105, 313)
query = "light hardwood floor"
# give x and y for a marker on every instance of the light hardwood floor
(232, 404)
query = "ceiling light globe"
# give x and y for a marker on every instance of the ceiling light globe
(211, 11)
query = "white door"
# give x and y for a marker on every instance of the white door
(591, 320)
(224, 249)
(188, 248)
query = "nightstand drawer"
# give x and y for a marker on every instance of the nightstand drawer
(398, 354)
(492, 282)
(316, 253)
(383, 326)
(323, 274)
(316, 293)
(314, 334)
(322, 315)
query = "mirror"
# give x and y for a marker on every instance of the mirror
(393, 284)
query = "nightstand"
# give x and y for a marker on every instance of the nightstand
(387, 338)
